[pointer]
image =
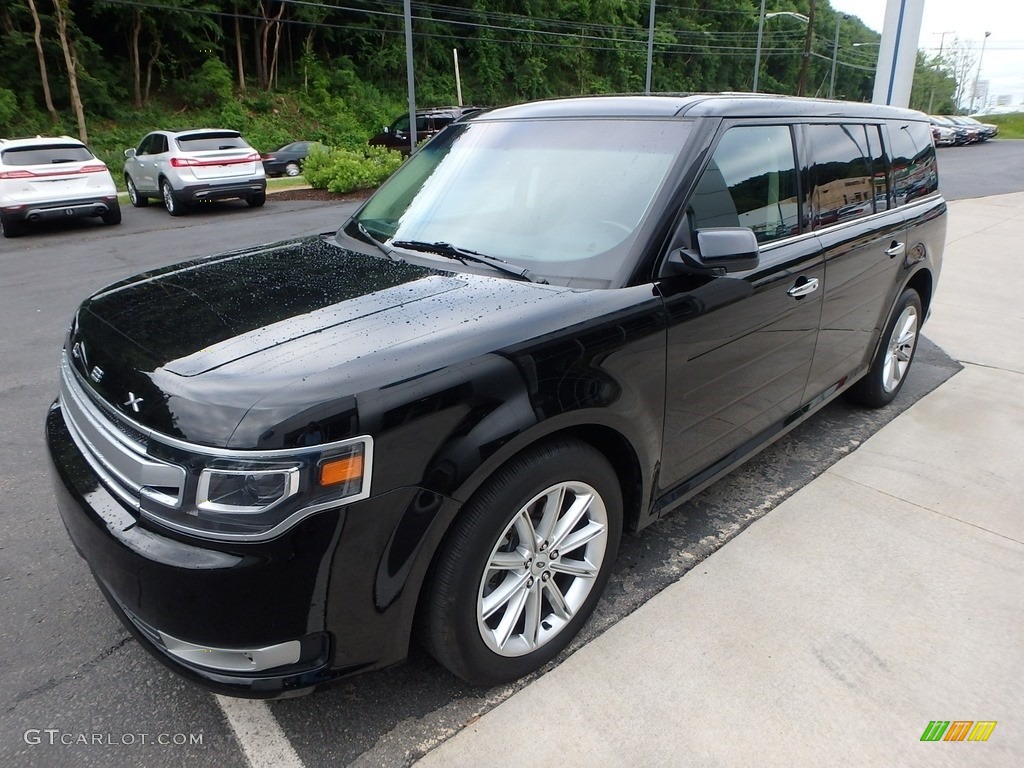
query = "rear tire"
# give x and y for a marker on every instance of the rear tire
(524, 564)
(113, 215)
(171, 203)
(137, 199)
(10, 227)
(257, 200)
(292, 169)
(896, 349)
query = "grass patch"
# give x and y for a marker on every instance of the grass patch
(1011, 126)
(287, 182)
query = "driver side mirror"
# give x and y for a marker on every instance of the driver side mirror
(129, 153)
(719, 250)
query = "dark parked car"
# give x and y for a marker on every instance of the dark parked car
(287, 161)
(428, 123)
(556, 322)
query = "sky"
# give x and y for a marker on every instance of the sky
(968, 20)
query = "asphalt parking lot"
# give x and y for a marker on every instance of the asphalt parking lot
(71, 674)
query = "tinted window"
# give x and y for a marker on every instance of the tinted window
(841, 186)
(199, 142)
(144, 146)
(750, 182)
(913, 161)
(53, 153)
(158, 144)
(878, 174)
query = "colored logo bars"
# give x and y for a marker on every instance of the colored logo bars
(958, 730)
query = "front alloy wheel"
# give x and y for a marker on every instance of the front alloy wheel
(524, 564)
(542, 569)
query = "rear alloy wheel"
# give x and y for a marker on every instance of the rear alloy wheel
(525, 563)
(137, 200)
(292, 169)
(257, 200)
(895, 354)
(113, 214)
(170, 201)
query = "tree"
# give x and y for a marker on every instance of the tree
(37, 36)
(71, 59)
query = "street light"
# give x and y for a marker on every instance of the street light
(835, 57)
(974, 96)
(760, 32)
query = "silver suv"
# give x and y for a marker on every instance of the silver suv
(52, 178)
(194, 166)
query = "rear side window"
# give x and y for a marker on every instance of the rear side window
(46, 155)
(913, 161)
(750, 182)
(200, 142)
(842, 186)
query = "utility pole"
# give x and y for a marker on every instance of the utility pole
(757, 55)
(938, 64)
(801, 83)
(977, 76)
(835, 58)
(650, 49)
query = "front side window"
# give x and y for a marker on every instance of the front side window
(913, 161)
(562, 198)
(750, 182)
(842, 186)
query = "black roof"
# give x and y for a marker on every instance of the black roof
(700, 105)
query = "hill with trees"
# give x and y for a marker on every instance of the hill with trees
(278, 70)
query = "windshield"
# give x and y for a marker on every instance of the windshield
(563, 198)
(45, 155)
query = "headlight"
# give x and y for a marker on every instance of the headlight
(257, 495)
(242, 492)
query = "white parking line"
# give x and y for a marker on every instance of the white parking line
(258, 733)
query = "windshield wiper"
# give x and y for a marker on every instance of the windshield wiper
(383, 248)
(465, 255)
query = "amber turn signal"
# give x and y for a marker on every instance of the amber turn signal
(341, 470)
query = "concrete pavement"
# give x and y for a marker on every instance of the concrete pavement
(887, 593)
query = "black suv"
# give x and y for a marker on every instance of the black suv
(555, 322)
(428, 123)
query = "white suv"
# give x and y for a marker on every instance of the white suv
(195, 166)
(52, 178)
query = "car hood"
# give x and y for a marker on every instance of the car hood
(189, 350)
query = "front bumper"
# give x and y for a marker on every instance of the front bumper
(61, 209)
(203, 610)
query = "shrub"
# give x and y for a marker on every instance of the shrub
(211, 85)
(346, 170)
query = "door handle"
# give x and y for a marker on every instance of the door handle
(801, 290)
(896, 249)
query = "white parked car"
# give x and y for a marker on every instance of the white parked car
(182, 168)
(52, 178)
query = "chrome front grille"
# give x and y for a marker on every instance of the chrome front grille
(115, 451)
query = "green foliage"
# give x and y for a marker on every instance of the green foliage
(8, 109)
(1011, 126)
(210, 86)
(344, 170)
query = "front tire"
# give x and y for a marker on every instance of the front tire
(891, 363)
(170, 201)
(138, 200)
(525, 563)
